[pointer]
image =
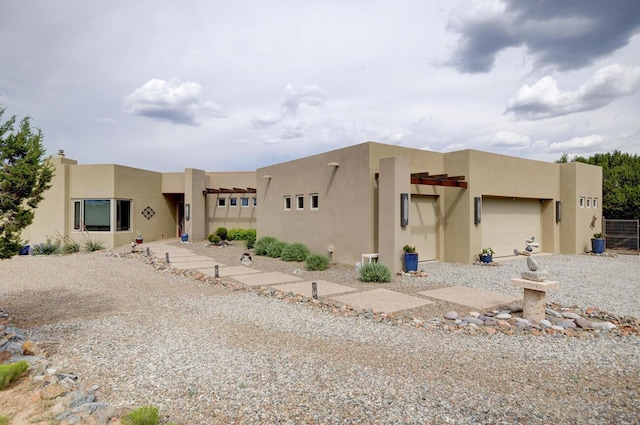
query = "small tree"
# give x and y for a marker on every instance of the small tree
(24, 176)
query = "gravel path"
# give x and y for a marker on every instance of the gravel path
(208, 355)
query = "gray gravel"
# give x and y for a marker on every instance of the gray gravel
(207, 355)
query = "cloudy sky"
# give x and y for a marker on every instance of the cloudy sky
(236, 85)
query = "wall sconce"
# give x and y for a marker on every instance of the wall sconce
(187, 211)
(558, 211)
(404, 209)
(477, 210)
(267, 176)
(333, 164)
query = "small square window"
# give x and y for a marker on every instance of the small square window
(287, 202)
(582, 202)
(595, 202)
(300, 202)
(222, 202)
(588, 202)
(313, 198)
(233, 202)
(244, 202)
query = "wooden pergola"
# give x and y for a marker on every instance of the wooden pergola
(436, 179)
(208, 191)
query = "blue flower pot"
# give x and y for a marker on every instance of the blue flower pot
(410, 261)
(184, 237)
(598, 245)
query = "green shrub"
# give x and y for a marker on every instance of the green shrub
(214, 238)
(237, 234)
(250, 242)
(274, 250)
(91, 245)
(375, 272)
(10, 372)
(295, 252)
(317, 262)
(69, 246)
(262, 244)
(4, 420)
(46, 248)
(222, 233)
(146, 415)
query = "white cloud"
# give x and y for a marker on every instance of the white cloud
(545, 100)
(587, 144)
(511, 140)
(171, 101)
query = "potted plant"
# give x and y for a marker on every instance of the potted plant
(138, 237)
(486, 256)
(598, 243)
(410, 258)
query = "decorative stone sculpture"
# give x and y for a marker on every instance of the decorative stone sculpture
(534, 273)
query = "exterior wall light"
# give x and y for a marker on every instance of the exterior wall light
(266, 176)
(333, 164)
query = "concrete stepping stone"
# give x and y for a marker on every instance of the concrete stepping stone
(324, 288)
(382, 300)
(470, 297)
(265, 279)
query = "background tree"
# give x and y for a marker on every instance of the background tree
(620, 182)
(24, 176)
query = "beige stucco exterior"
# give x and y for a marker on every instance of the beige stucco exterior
(357, 190)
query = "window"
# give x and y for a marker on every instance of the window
(588, 202)
(123, 215)
(300, 202)
(95, 215)
(595, 202)
(313, 198)
(233, 202)
(582, 202)
(287, 202)
(222, 202)
(255, 202)
(244, 202)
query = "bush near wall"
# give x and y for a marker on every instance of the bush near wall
(262, 244)
(375, 272)
(295, 252)
(274, 250)
(222, 233)
(317, 262)
(237, 234)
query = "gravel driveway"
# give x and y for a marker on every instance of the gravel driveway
(208, 355)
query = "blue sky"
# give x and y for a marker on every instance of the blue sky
(240, 85)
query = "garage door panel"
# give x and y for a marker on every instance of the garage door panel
(423, 226)
(507, 223)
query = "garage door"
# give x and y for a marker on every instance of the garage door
(423, 225)
(507, 223)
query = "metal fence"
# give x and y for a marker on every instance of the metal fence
(623, 235)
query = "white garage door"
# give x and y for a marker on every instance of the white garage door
(507, 223)
(423, 225)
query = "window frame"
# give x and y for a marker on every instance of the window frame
(595, 202)
(314, 201)
(233, 202)
(287, 202)
(299, 202)
(244, 202)
(222, 202)
(117, 222)
(581, 202)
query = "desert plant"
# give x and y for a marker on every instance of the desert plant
(250, 241)
(317, 262)
(487, 251)
(261, 245)
(375, 272)
(145, 415)
(237, 234)
(49, 247)
(597, 236)
(274, 250)
(91, 245)
(12, 371)
(69, 246)
(409, 248)
(4, 420)
(295, 252)
(214, 238)
(222, 233)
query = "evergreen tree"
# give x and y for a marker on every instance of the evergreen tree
(620, 182)
(24, 176)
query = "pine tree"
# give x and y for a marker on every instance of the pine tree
(24, 177)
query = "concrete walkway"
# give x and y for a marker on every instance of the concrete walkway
(383, 300)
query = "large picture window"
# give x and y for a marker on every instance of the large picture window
(94, 215)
